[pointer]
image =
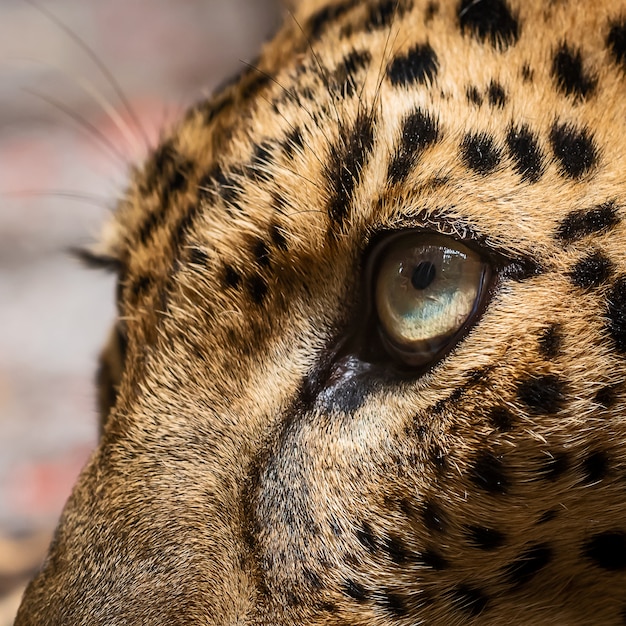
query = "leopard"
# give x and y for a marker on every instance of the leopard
(369, 361)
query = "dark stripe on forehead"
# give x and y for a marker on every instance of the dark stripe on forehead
(347, 159)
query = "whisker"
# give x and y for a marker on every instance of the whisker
(306, 143)
(99, 64)
(389, 44)
(90, 89)
(85, 124)
(293, 95)
(87, 198)
(322, 69)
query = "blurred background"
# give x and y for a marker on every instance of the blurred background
(66, 142)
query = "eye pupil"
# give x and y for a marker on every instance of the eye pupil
(423, 275)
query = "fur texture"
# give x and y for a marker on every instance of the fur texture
(256, 466)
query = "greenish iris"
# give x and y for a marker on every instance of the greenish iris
(427, 287)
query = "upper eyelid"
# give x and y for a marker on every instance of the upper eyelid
(476, 242)
(445, 221)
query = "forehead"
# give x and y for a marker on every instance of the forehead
(498, 117)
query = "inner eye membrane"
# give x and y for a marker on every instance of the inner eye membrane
(428, 290)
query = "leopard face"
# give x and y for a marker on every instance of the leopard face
(370, 357)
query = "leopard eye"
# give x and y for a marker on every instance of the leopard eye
(428, 289)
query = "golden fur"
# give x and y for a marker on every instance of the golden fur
(247, 472)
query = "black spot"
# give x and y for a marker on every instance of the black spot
(140, 286)
(162, 161)
(432, 9)
(432, 558)
(525, 152)
(542, 394)
(616, 42)
(496, 94)
(418, 66)
(318, 22)
(262, 157)
(220, 184)
(277, 237)
(486, 538)
(343, 80)
(591, 271)
(489, 20)
(434, 517)
(578, 224)
(183, 226)
(527, 73)
(198, 257)
(209, 109)
(155, 219)
(489, 472)
(479, 153)
(312, 578)
(366, 536)
(529, 564)
(347, 160)
(478, 375)
(607, 396)
(382, 14)
(419, 130)
(397, 551)
(261, 253)
(574, 148)
(474, 96)
(501, 419)
(168, 173)
(616, 314)
(293, 141)
(356, 61)
(555, 466)
(278, 202)
(550, 340)
(257, 288)
(596, 466)
(568, 72)
(470, 600)
(607, 550)
(355, 590)
(231, 277)
(438, 457)
(394, 602)
(327, 607)
(257, 80)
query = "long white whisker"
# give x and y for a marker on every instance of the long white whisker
(99, 64)
(83, 123)
(90, 89)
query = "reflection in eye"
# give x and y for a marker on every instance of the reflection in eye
(428, 288)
